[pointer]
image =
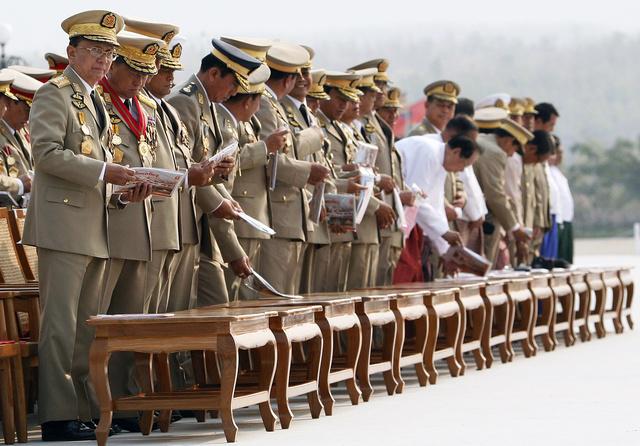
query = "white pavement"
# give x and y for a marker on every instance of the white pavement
(588, 394)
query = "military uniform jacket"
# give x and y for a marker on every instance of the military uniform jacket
(490, 170)
(16, 151)
(248, 185)
(199, 117)
(423, 128)
(67, 211)
(542, 218)
(528, 195)
(130, 227)
(317, 233)
(177, 133)
(289, 206)
(165, 233)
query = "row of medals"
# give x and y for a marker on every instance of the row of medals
(87, 145)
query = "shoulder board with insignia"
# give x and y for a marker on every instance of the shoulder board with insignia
(188, 89)
(369, 128)
(60, 81)
(146, 100)
(268, 94)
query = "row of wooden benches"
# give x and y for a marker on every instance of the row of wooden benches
(303, 346)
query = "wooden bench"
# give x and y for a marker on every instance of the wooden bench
(564, 314)
(292, 324)
(614, 296)
(522, 311)
(544, 309)
(224, 331)
(581, 303)
(626, 279)
(338, 315)
(598, 299)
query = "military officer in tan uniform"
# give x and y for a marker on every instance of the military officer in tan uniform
(73, 169)
(316, 92)
(56, 62)
(529, 114)
(220, 73)
(12, 184)
(282, 255)
(500, 138)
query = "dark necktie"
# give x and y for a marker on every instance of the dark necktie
(98, 107)
(22, 147)
(305, 114)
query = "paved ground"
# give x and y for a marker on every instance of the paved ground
(588, 394)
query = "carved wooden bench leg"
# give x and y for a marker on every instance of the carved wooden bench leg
(315, 359)
(510, 321)
(486, 335)
(455, 329)
(529, 310)
(99, 360)
(163, 374)
(282, 378)
(325, 367)
(478, 316)
(598, 313)
(267, 371)
(144, 377)
(397, 352)
(388, 350)
(228, 355)
(629, 303)
(200, 378)
(6, 394)
(421, 330)
(548, 312)
(364, 360)
(432, 342)
(19, 399)
(354, 343)
(618, 295)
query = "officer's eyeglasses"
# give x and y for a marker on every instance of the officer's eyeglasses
(97, 52)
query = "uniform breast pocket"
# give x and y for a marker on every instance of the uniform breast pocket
(65, 196)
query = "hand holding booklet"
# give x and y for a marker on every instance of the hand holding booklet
(256, 223)
(164, 182)
(260, 285)
(230, 150)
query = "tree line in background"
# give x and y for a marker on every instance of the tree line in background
(606, 188)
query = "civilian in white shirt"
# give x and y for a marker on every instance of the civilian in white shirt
(565, 229)
(426, 162)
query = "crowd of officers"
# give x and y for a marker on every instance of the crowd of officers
(111, 105)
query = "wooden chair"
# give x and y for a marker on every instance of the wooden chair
(627, 283)
(582, 303)
(223, 330)
(544, 305)
(598, 299)
(26, 254)
(563, 321)
(12, 393)
(614, 295)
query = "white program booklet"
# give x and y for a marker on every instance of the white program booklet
(230, 150)
(164, 182)
(256, 223)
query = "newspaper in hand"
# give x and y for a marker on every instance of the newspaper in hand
(230, 150)
(341, 210)
(367, 179)
(316, 203)
(164, 182)
(366, 154)
(256, 223)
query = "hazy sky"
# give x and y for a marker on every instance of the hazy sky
(36, 24)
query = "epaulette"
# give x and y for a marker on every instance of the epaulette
(268, 94)
(369, 128)
(146, 100)
(60, 81)
(188, 89)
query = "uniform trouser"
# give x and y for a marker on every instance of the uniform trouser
(212, 288)
(491, 242)
(157, 271)
(387, 261)
(363, 265)
(70, 292)
(251, 246)
(473, 238)
(565, 242)
(315, 269)
(340, 254)
(281, 264)
(182, 279)
(127, 286)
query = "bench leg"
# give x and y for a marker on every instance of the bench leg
(144, 376)
(504, 315)
(455, 329)
(583, 313)
(354, 343)
(98, 363)
(282, 378)
(388, 350)
(617, 306)
(20, 412)
(365, 358)
(548, 313)
(268, 362)
(200, 378)
(8, 414)
(314, 359)
(397, 352)
(432, 342)
(478, 316)
(529, 311)
(487, 331)
(325, 366)
(567, 302)
(629, 303)
(163, 374)
(228, 355)
(421, 329)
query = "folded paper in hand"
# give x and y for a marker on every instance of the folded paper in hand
(230, 150)
(256, 223)
(259, 284)
(164, 182)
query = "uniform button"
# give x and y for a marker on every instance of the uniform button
(65, 201)
(244, 192)
(284, 198)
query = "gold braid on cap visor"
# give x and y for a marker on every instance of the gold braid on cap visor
(144, 63)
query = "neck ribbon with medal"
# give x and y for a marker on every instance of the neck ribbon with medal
(138, 127)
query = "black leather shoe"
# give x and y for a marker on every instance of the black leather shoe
(93, 424)
(126, 425)
(73, 430)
